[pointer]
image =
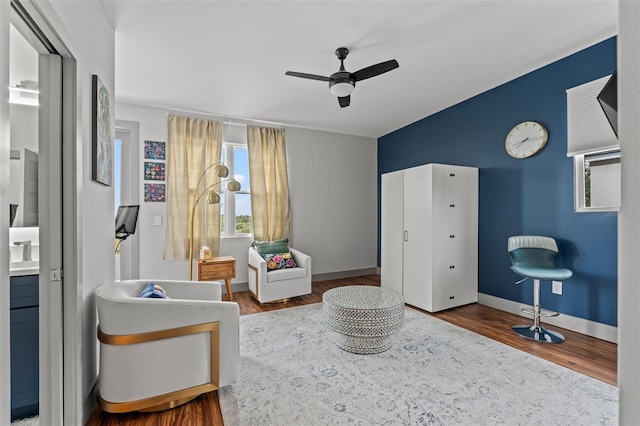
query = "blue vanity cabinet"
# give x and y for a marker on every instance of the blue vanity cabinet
(24, 346)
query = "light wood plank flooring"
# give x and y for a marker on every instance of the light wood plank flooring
(587, 355)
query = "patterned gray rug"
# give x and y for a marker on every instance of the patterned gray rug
(291, 373)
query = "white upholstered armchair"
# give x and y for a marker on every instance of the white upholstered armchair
(281, 283)
(156, 354)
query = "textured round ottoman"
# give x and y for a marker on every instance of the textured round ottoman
(363, 317)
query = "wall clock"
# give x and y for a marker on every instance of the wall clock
(526, 139)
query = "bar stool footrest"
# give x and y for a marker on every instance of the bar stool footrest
(543, 312)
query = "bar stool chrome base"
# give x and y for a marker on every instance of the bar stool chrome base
(538, 333)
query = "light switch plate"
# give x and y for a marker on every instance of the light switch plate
(556, 287)
(157, 221)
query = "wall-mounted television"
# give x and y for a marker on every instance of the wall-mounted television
(126, 221)
(608, 99)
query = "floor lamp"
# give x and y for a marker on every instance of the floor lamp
(212, 197)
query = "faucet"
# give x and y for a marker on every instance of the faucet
(26, 249)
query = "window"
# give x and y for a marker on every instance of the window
(595, 149)
(235, 207)
(597, 179)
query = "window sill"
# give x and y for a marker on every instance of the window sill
(236, 236)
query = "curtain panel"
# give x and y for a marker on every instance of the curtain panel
(193, 145)
(269, 181)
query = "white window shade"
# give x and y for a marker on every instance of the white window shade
(588, 129)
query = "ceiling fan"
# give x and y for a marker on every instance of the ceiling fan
(342, 82)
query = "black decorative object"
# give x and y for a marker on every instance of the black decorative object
(608, 99)
(126, 221)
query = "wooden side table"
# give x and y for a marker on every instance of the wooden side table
(218, 268)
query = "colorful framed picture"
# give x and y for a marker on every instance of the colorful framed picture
(154, 150)
(154, 192)
(101, 134)
(153, 170)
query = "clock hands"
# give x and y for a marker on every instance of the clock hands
(521, 142)
(524, 140)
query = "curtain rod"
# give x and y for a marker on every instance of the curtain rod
(228, 117)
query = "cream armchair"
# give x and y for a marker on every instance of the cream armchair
(156, 354)
(282, 283)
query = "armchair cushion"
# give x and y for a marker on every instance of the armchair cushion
(279, 261)
(272, 247)
(286, 274)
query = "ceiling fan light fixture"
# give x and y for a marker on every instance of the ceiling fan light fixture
(342, 88)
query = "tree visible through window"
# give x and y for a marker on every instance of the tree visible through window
(236, 207)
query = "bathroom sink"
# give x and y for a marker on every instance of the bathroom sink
(24, 267)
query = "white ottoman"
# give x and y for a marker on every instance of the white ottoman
(363, 317)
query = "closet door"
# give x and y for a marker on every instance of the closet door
(455, 235)
(392, 231)
(418, 244)
(467, 287)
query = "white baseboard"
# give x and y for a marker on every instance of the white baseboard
(579, 325)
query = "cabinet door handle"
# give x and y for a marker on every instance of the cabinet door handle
(406, 235)
(451, 267)
(452, 205)
(452, 236)
(452, 174)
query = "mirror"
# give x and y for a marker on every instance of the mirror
(23, 107)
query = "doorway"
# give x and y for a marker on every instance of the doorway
(126, 182)
(35, 76)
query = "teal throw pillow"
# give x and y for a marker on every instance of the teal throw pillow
(279, 261)
(272, 247)
(153, 291)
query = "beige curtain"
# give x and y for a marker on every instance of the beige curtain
(269, 183)
(193, 144)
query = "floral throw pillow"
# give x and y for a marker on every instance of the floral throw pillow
(279, 261)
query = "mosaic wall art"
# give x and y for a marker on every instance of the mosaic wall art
(154, 192)
(153, 170)
(154, 150)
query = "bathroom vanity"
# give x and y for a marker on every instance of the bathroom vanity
(24, 345)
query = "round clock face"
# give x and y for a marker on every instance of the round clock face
(525, 139)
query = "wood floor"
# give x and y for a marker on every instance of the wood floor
(587, 355)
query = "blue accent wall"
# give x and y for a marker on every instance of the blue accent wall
(533, 196)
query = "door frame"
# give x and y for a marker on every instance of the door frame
(129, 192)
(60, 330)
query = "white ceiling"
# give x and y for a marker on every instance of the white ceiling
(230, 57)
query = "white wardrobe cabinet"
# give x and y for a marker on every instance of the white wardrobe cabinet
(429, 235)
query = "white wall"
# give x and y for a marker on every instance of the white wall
(333, 192)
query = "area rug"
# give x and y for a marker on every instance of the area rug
(436, 373)
(28, 421)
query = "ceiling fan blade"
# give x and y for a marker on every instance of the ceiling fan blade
(305, 75)
(375, 70)
(344, 101)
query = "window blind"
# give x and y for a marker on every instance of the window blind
(588, 129)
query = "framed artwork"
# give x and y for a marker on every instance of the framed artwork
(153, 170)
(101, 134)
(154, 192)
(154, 150)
